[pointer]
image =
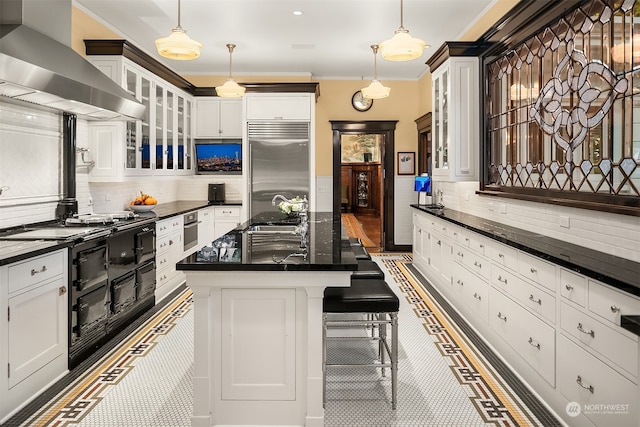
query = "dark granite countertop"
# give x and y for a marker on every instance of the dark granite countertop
(618, 272)
(17, 250)
(240, 250)
(166, 210)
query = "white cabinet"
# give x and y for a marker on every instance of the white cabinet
(169, 250)
(159, 143)
(559, 330)
(258, 321)
(34, 333)
(206, 226)
(218, 118)
(226, 219)
(298, 106)
(456, 106)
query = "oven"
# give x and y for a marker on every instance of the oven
(190, 230)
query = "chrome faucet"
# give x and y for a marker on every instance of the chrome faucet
(276, 197)
(296, 254)
(440, 197)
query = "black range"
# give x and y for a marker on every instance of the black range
(111, 272)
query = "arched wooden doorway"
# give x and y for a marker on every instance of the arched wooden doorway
(386, 130)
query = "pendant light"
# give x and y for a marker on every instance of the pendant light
(230, 89)
(402, 47)
(178, 45)
(375, 90)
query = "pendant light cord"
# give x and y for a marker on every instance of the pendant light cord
(230, 47)
(401, 16)
(374, 47)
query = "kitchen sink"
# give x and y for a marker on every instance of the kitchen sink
(269, 248)
(272, 229)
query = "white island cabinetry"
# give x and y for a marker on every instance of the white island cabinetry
(34, 331)
(559, 330)
(169, 250)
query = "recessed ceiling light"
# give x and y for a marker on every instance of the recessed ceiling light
(297, 12)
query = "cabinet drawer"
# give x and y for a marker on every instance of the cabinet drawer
(619, 348)
(537, 270)
(474, 242)
(35, 270)
(584, 379)
(475, 263)
(505, 256)
(473, 292)
(230, 211)
(529, 336)
(166, 226)
(573, 287)
(163, 244)
(611, 304)
(525, 293)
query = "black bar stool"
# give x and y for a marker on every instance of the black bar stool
(379, 304)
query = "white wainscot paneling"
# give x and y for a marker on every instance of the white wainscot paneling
(403, 197)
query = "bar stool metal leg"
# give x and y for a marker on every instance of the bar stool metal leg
(324, 359)
(394, 359)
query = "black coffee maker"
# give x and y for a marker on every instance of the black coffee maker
(216, 194)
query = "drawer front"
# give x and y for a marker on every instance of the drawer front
(584, 379)
(537, 270)
(166, 226)
(573, 287)
(610, 304)
(230, 211)
(474, 293)
(163, 244)
(525, 293)
(619, 348)
(505, 256)
(529, 336)
(35, 270)
(476, 263)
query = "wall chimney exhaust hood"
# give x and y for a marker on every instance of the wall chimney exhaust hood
(38, 69)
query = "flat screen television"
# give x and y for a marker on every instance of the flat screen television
(219, 158)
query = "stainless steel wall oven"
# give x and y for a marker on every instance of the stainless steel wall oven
(190, 230)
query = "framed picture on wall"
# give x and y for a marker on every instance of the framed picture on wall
(407, 163)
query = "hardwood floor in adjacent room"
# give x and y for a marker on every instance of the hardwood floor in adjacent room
(371, 226)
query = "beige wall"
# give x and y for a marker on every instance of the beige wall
(408, 100)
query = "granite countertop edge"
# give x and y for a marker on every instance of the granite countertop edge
(620, 275)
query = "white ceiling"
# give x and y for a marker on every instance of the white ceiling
(331, 39)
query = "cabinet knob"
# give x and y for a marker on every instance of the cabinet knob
(615, 309)
(568, 287)
(62, 290)
(533, 270)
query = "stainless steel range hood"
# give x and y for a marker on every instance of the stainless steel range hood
(38, 69)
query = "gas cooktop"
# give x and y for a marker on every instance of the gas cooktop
(100, 218)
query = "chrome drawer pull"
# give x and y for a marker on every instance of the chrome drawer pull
(500, 279)
(477, 264)
(439, 242)
(466, 239)
(476, 296)
(501, 317)
(568, 287)
(537, 301)
(591, 332)
(579, 381)
(501, 255)
(533, 270)
(460, 282)
(481, 246)
(534, 344)
(42, 270)
(615, 309)
(460, 254)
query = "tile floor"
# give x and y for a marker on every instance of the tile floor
(432, 390)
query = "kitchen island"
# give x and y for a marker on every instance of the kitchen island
(258, 319)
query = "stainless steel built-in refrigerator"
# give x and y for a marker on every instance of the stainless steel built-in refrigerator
(278, 162)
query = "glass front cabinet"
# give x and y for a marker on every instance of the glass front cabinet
(158, 144)
(455, 97)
